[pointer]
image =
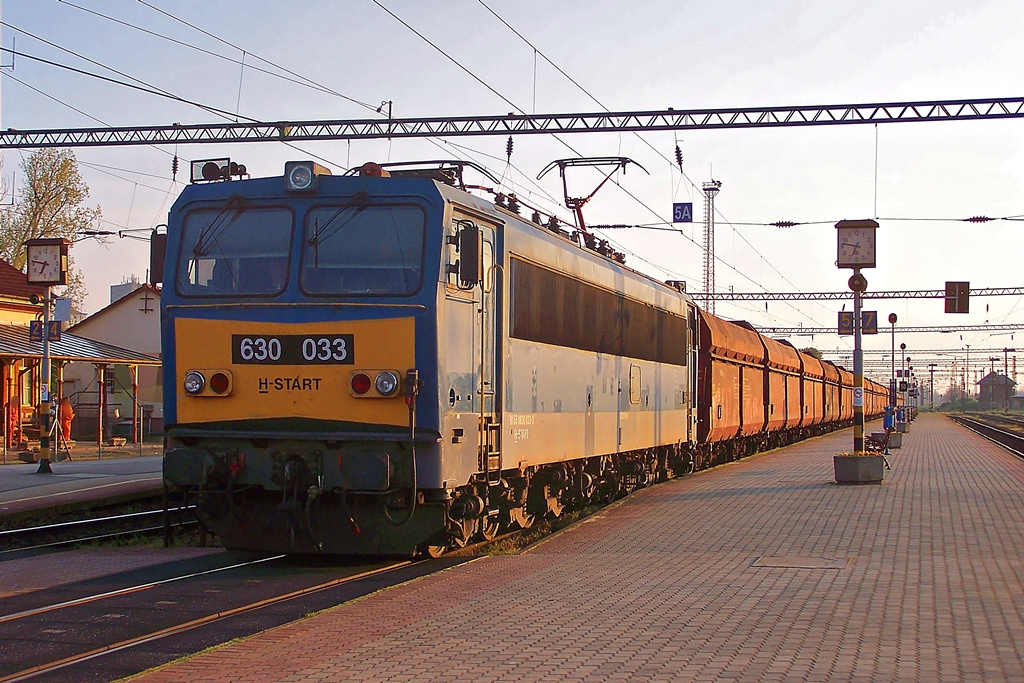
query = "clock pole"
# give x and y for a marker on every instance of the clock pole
(858, 363)
(44, 393)
(47, 265)
(856, 250)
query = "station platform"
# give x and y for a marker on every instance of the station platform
(78, 482)
(764, 569)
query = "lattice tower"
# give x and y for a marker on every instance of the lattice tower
(711, 189)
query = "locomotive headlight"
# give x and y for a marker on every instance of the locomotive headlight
(386, 383)
(300, 176)
(194, 382)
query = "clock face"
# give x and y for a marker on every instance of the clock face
(44, 264)
(856, 248)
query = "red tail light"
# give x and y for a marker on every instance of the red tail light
(219, 383)
(361, 383)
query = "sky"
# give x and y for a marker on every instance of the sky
(585, 57)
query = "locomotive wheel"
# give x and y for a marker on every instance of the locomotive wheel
(521, 518)
(490, 527)
(434, 548)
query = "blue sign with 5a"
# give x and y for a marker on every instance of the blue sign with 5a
(682, 212)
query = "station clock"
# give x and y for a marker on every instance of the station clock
(47, 261)
(856, 244)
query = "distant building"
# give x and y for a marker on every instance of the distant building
(996, 391)
(122, 290)
(131, 322)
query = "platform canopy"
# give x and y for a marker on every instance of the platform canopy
(16, 345)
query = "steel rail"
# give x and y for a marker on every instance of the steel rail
(1008, 440)
(520, 124)
(92, 539)
(127, 591)
(87, 522)
(194, 623)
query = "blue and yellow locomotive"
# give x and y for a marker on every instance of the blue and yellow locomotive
(383, 363)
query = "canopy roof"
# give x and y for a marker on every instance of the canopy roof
(15, 344)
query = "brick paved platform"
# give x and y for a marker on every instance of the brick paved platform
(760, 570)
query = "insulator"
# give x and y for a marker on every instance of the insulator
(979, 219)
(174, 167)
(513, 203)
(679, 157)
(783, 224)
(508, 148)
(535, 217)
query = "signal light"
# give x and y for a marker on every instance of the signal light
(372, 170)
(207, 383)
(958, 297)
(360, 383)
(219, 383)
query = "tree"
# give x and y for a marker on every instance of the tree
(811, 351)
(50, 203)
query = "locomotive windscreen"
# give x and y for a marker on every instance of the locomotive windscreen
(355, 248)
(237, 250)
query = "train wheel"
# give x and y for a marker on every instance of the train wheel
(490, 527)
(434, 548)
(521, 518)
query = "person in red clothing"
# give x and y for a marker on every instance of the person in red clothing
(65, 413)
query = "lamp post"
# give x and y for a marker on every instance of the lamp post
(907, 398)
(967, 375)
(931, 389)
(892, 377)
(1006, 373)
(903, 364)
(910, 389)
(44, 393)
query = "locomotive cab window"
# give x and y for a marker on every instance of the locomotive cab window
(236, 250)
(356, 248)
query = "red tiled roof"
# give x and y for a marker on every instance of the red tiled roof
(13, 283)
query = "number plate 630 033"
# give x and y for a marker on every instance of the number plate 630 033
(292, 349)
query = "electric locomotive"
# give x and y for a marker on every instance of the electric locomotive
(384, 363)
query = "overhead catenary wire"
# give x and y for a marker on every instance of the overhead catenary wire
(298, 80)
(563, 142)
(658, 152)
(255, 56)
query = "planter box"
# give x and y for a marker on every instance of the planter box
(859, 469)
(901, 427)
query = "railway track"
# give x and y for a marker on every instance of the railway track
(93, 529)
(1011, 440)
(102, 631)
